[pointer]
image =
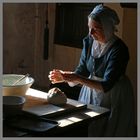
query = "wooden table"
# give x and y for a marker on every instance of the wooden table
(69, 122)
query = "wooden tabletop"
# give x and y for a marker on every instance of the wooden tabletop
(79, 111)
(35, 98)
(32, 101)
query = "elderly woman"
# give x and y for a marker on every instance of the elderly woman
(101, 72)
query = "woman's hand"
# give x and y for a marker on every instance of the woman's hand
(58, 76)
(55, 76)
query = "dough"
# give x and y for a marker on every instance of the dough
(56, 97)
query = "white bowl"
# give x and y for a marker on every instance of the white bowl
(19, 89)
(12, 105)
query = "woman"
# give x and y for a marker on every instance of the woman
(101, 72)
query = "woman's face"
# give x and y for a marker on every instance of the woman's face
(96, 30)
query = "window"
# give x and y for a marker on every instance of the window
(71, 23)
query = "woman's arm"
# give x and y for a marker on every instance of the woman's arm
(75, 78)
(57, 76)
(116, 66)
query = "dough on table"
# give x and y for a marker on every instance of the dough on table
(56, 97)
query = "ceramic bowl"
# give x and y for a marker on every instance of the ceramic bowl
(19, 89)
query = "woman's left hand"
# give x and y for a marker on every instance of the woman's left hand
(57, 76)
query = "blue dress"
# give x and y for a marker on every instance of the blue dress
(109, 67)
(110, 70)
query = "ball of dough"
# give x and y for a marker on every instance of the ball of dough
(56, 97)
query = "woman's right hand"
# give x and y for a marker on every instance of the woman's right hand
(55, 76)
(58, 76)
